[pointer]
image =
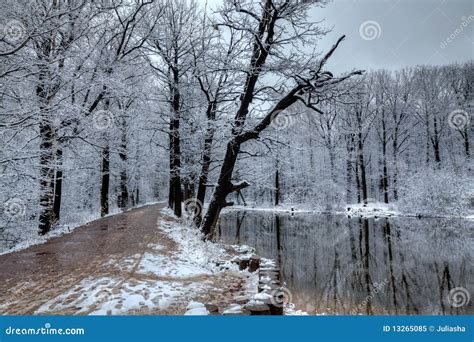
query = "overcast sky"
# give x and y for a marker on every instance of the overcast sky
(397, 33)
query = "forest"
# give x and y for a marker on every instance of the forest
(108, 105)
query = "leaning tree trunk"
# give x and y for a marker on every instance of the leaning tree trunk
(223, 188)
(224, 183)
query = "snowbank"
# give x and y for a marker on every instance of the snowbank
(371, 209)
(192, 246)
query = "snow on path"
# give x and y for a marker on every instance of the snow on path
(157, 270)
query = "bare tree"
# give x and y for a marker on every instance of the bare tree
(173, 43)
(268, 38)
(214, 69)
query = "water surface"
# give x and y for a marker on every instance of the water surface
(338, 265)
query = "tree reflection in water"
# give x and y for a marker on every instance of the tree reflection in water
(339, 265)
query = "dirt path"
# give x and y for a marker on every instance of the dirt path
(104, 268)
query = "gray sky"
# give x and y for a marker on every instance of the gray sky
(406, 32)
(411, 32)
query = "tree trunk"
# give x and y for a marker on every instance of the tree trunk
(105, 181)
(332, 158)
(46, 200)
(357, 177)
(257, 61)
(123, 198)
(395, 164)
(171, 186)
(175, 195)
(366, 265)
(223, 187)
(384, 164)
(175, 177)
(105, 172)
(58, 182)
(277, 184)
(465, 136)
(224, 183)
(428, 138)
(206, 163)
(350, 148)
(363, 179)
(436, 142)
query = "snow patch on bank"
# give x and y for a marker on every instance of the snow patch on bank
(371, 209)
(164, 266)
(196, 309)
(192, 246)
(290, 310)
